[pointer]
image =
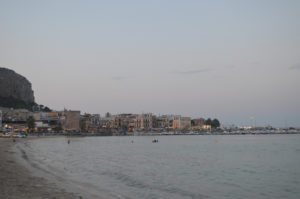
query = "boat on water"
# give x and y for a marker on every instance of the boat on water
(154, 140)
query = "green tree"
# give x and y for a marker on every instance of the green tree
(192, 122)
(30, 123)
(208, 121)
(82, 124)
(215, 123)
(107, 115)
(47, 109)
(41, 107)
(58, 127)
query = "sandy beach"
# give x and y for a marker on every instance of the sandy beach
(16, 182)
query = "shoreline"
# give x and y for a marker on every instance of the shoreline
(171, 133)
(16, 181)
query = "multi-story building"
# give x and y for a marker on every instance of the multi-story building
(144, 121)
(130, 121)
(95, 119)
(14, 118)
(90, 122)
(180, 123)
(198, 123)
(163, 122)
(176, 122)
(68, 120)
(14, 115)
(122, 121)
(46, 120)
(185, 123)
(110, 123)
(47, 116)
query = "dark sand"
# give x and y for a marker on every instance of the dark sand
(16, 182)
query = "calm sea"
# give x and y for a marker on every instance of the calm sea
(177, 167)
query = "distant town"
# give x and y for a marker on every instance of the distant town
(21, 114)
(72, 122)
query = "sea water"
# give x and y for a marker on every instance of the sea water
(177, 167)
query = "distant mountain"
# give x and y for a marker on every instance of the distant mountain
(15, 90)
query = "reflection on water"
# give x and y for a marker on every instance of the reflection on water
(177, 167)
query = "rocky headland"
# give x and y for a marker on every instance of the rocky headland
(15, 90)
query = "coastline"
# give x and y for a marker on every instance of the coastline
(16, 182)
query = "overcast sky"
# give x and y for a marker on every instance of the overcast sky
(226, 59)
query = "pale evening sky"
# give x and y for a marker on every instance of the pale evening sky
(225, 59)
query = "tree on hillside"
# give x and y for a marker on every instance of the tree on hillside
(47, 109)
(40, 108)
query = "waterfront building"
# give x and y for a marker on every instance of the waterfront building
(111, 122)
(176, 122)
(14, 115)
(70, 120)
(206, 127)
(181, 123)
(67, 119)
(47, 116)
(122, 121)
(15, 119)
(90, 122)
(104, 122)
(163, 122)
(128, 121)
(45, 121)
(41, 125)
(198, 123)
(144, 121)
(185, 122)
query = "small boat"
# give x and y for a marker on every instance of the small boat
(155, 140)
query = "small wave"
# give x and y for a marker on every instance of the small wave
(131, 182)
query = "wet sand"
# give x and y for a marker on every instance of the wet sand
(16, 182)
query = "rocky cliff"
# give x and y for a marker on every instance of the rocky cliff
(15, 90)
